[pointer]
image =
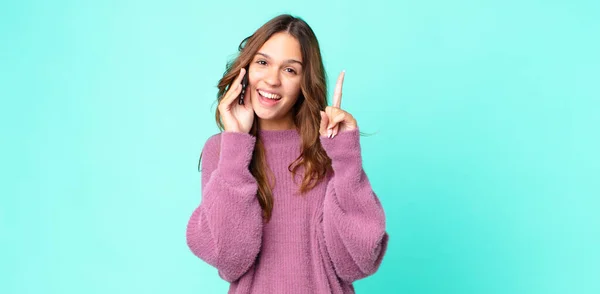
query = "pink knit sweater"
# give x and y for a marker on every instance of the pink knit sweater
(317, 243)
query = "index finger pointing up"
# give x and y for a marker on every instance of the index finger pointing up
(337, 93)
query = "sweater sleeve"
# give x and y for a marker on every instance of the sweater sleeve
(225, 230)
(353, 218)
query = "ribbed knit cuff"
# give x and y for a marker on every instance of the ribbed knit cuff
(344, 147)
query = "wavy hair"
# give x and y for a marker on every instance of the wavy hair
(312, 99)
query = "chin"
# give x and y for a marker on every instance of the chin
(264, 114)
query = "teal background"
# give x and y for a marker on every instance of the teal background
(485, 155)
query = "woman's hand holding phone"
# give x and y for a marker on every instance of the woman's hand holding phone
(236, 117)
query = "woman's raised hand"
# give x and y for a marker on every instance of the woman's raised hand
(334, 119)
(236, 117)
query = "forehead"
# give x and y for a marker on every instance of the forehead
(282, 46)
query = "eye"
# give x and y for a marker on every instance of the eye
(290, 70)
(261, 62)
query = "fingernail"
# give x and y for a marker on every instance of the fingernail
(329, 133)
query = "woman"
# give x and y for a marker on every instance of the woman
(286, 205)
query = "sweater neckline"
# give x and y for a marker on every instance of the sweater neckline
(279, 137)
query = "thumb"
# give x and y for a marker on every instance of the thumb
(324, 123)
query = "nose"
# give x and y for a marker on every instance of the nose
(272, 77)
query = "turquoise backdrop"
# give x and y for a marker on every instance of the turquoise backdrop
(485, 152)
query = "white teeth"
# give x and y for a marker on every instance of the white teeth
(269, 95)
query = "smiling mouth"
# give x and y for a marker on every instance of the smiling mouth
(268, 95)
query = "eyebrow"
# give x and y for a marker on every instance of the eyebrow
(287, 61)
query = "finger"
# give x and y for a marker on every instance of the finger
(332, 127)
(336, 122)
(231, 96)
(332, 113)
(240, 76)
(238, 80)
(337, 94)
(324, 122)
(338, 118)
(234, 90)
(329, 114)
(335, 130)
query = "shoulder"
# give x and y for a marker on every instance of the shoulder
(212, 146)
(210, 152)
(212, 143)
(229, 140)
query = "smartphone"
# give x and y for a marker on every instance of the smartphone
(244, 85)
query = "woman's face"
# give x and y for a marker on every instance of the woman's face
(274, 79)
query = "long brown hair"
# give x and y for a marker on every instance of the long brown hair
(312, 99)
